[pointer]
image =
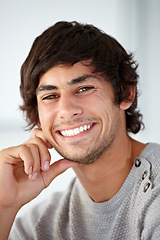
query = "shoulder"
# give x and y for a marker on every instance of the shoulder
(152, 155)
(147, 170)
(146, 217)
(151, 151)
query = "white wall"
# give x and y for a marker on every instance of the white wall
(135, 23)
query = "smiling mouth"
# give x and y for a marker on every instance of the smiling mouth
(75, 131)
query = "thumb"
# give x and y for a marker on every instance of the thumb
(56, 169)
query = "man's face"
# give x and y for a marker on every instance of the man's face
(77, 113)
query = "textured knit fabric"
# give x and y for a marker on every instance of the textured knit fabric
(132, 214)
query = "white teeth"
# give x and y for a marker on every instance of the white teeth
(81, 129)
(75, 131)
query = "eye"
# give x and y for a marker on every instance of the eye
(50, 97)
(85, 89)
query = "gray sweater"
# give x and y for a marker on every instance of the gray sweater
(132, 214)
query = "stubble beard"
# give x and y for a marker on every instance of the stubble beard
(92, 153)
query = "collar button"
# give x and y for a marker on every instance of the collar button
(146, 187)
(137, 162)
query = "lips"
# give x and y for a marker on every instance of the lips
(75, 131)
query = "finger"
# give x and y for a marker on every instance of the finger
(56, 169)
(36, 163)
(18, 154)
(43, 157)
(39, 133)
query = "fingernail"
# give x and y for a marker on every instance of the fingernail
(34, 176)
(30, 170)
(46, 165)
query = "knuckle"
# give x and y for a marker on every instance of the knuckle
(36, 140)
(25, 153)
(33, 146)
(23, 148)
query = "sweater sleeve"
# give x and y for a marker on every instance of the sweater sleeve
(31, 225)
(25, 225)
(41, 221)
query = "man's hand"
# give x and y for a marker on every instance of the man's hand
(25, 171)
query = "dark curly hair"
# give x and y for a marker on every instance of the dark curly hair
(68, 43)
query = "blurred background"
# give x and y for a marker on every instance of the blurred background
(134, 23)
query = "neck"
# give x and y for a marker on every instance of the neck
(103, 178)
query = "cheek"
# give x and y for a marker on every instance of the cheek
(110, 114)
(46, 116)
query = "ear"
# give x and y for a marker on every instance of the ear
(127, 103)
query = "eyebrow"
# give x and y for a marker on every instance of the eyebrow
(45, 87)
(72, 82)
(81, 79)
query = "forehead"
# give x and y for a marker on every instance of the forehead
(63, 74)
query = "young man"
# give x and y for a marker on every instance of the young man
(79, 87)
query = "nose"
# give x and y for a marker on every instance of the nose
(69, 108)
